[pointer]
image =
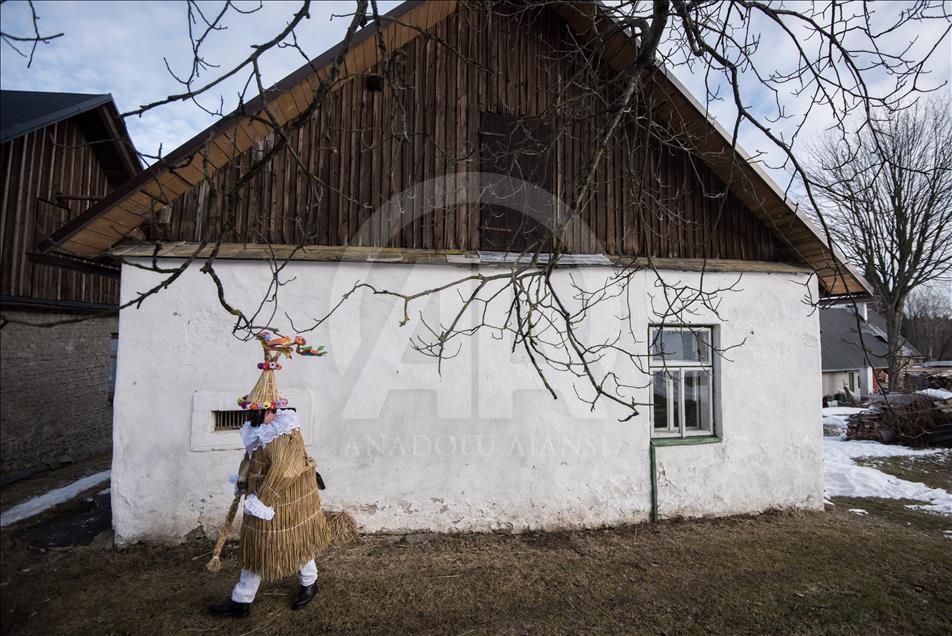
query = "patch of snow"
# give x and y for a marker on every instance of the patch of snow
(947, 534)
(858, 511)
(842, 410)
(835, 417)
(936, 394)
(54, 497)
(943, 507)
(842, 477)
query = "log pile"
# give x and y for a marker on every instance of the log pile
(865, 426)
(912, 420)
(930, 378)
(941, 380)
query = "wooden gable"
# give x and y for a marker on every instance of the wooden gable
(52, 173)
(397, 164)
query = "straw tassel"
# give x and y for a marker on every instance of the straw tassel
(342, 527)
(265, 389)
(214, 564)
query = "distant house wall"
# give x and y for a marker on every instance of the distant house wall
(834, 381)
(36, 167)
(56, 384)
(481, 446)
(862, 382)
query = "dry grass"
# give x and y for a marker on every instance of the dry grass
(831, 572)
(934, 471)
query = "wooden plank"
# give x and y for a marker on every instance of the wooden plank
(354, 178)
(415, 172)
(90, 244)
(461, 131)
(366, 159)
(334, 252)
(344, 158)
(334, 154)
(438, 117)
(379, 166)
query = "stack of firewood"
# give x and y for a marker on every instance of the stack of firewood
(929, 378)
(864, 425)
(912, 420)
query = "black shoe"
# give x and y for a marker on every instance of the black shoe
(304, 596)
(230, 608)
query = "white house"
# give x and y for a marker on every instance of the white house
(854, 349)
(733, 423)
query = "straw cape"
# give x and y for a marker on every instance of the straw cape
(280, 476)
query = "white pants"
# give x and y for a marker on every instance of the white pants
(248, 582)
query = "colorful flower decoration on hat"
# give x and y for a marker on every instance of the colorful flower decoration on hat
(264, 395)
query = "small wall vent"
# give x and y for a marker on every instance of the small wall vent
(375, 83)
(229, 420)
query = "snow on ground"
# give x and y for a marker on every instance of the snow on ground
(842, 477)
(834, 417)
(54, 497)
(936, 394)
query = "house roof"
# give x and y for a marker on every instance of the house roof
(108, 222)
(25, 111)
(841, 348)
(22, 112)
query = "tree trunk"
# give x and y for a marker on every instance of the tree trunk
(893, 318)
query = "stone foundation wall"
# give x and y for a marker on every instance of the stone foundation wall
(56, 405)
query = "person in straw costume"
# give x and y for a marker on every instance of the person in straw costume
(283, 527)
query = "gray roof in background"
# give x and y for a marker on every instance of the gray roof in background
(24, 111)
(840, 344)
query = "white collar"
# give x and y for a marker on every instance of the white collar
(255, 437)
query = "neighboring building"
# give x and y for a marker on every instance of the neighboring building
(480, 445)
(853, 363)
(59, 154)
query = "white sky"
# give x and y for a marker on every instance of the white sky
(118, 48)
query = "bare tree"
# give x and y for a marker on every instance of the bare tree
(928, 322)
(17, 40)
(886, 194)
(599, 104)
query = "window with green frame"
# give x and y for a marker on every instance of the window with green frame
(681, 363)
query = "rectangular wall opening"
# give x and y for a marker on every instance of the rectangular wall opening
(229, 420)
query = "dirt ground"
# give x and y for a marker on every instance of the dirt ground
(830, 572)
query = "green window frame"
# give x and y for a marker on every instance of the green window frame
(681, 367)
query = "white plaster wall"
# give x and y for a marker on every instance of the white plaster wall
(770, 412)
(481, 446)
(834, 381)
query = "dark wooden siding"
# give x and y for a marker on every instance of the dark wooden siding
(517, 164)
(35, 168)
(376, 186)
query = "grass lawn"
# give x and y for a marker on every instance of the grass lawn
(934, 471)
(830, 572)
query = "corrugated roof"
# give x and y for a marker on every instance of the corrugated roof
(24, 111)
